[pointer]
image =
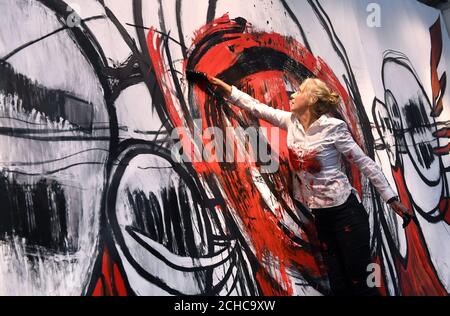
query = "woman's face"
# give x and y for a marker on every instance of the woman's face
(300, 100)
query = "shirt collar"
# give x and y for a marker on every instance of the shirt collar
(318, 122)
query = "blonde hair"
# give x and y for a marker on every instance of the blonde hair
(327, 100)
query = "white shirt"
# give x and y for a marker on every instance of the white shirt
(319, 179)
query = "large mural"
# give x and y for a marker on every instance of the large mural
(94, 100)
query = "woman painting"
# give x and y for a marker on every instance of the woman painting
(317, 142)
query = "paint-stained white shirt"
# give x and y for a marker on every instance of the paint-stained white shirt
(319, 179)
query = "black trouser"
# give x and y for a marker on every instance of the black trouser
(344, 235)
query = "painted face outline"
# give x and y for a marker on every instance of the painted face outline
(131, 241)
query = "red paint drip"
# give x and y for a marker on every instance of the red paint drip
(118, 282)
(443, 132)
(106, 271)
(438, 82)
(98, 291)
(442, 150)
(113, 283)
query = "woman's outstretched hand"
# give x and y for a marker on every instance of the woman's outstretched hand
(403, 211)
(202, 77)
(221, 85)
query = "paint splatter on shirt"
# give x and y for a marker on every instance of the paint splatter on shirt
(304, 160)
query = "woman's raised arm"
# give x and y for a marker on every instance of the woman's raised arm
(276, 117)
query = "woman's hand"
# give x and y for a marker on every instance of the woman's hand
(221, 85)
(403, 211)
(203, 77)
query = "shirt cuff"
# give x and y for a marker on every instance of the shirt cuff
(234, 94)
(388, 196)
(392, 199)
